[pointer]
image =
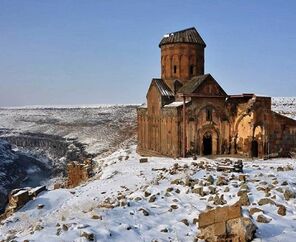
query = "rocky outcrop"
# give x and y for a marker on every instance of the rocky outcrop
(11, 174)
(53, 146)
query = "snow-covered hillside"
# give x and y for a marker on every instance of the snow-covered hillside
(285, 106)
(99, 127)
(154, 201)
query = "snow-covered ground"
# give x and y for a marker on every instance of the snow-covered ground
(132, 201)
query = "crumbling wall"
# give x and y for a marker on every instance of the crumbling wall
(78, 172)
(282, 138)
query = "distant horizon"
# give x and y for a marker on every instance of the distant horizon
(92, 105)
(57, 53)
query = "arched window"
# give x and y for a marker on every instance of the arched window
(175, 69)
(191, 69)
(209, 114)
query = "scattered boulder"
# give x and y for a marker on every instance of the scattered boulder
(219, 200)
(65, 227)
(58, 185)
(212, 190)
(263, 219)
(279, 189)
(38, 227)
(87, 234)
(245, 187)
(185, 221)
(288, 194)
(143, 160)
(170, 189)
(264, 201)
(241, 192)
(284, 183)
(94, 216)
(221, 181)
(174, 206)
(177, 182)
(164, 230)
(152, 199)
(280, 168)
(210, 179)
(255, 210)
(198, 190)
(242, 177)
(244, 199)
(281, 210)
(145, 212)
(147, 194)
(40, 206)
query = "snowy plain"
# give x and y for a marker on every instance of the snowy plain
(100, 127)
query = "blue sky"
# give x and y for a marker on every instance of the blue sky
(106, 51)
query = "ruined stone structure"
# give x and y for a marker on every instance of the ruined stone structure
(19, 197)
(78, 172)
(188, 112)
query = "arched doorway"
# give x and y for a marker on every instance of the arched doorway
(207, 144)
(254, 148)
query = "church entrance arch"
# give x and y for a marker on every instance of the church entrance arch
(208, 140)
(254, 148)
(207, 144)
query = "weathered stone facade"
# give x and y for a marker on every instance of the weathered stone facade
(188, 112)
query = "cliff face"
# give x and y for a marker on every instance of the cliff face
(11, 174)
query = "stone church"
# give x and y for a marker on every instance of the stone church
(188, 112)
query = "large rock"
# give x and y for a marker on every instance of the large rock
(255, 210)
(225, 224)
(243, 227)
(264, 201)
(281, 210)
(199, 190)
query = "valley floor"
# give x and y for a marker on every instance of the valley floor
(154, 201)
